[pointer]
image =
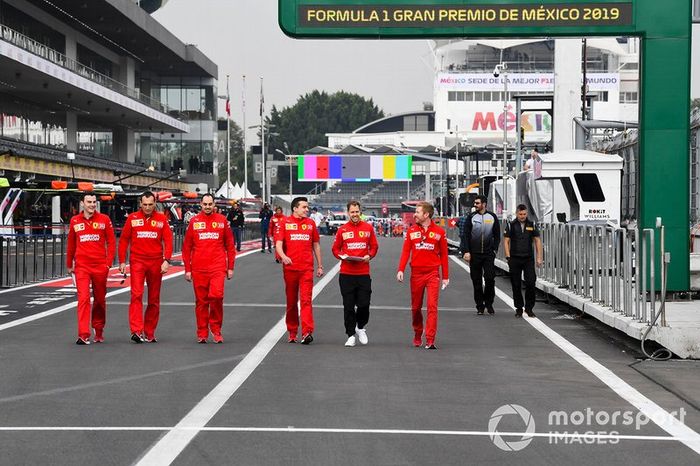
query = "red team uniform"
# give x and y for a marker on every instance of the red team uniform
(151, 243)
(428, 252)
(208, 252)
(274, 223)
(91, 244)
(298, 236)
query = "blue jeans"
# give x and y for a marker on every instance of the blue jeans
(264, 229)
(237, 233)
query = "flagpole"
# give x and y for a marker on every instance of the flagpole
(228, 141)
(245, 148)
(262, 141)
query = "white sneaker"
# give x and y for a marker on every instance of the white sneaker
(362, 335)
(351, 341)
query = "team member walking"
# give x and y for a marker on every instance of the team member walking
(478, 245)
(355, 245)
(426, 245)
(209, 256)
(151, 240)
(274, 224)
(297, 243)
(89, 254)
(518, 240)
(265, 215)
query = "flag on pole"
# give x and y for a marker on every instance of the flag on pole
(262, 99)
(228, 106)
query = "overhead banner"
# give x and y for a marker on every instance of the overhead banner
(480, 15)
(355, 168)
(520, 82)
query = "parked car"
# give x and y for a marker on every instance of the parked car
(335, 220)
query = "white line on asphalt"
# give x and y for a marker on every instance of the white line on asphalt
(313, 430)
(70, 305)
(175, 441)
(653, 411)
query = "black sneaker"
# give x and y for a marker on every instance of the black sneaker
(480, 312)
(306, 339)
(518, 313)
(82, 341)
(202, 341)
(530, 313)
(490, 310)
(263, 251)
(270, 251)
(136, 338)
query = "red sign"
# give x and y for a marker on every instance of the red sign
(452, 222)
(385, 208)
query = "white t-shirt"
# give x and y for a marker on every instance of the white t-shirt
(317, 218)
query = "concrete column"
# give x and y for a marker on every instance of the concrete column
(71, 131)
(71, 48)
(428, 188)
(124, 144)
(127, 72)
(567, 91)
(56, 214)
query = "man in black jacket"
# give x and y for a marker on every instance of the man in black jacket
(237, 220)
(478, 245)
(517, 244)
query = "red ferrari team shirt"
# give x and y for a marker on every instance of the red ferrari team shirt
(208, 244)
(150, 237)
(274, 223)
(90, 240)
(298, 236)
(356, 240)
(427, 248)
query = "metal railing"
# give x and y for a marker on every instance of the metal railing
(57, 58)
(612, 267)
(40, 254)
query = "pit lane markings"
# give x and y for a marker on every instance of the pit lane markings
(169, 447)
(653, 411)
(72, 304)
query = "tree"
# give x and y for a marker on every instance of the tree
(695, 103)
(304, 125)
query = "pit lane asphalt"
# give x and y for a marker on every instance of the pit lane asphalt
(483, 362)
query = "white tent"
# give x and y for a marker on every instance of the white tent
(224, 192)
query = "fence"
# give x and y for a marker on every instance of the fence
(40, 253)
(610, 266)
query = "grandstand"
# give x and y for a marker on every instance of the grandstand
(372, 194)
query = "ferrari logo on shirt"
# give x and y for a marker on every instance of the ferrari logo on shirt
(363, 234)
(98, 226)
(291, 226)
(415, 235)
(79, 227)
(214, 224)
(304, 226)
(350, 235)
(200, 225)
(431, 235)
(137, 223)
(153, 223)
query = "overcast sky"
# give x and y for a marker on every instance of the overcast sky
(243, 38)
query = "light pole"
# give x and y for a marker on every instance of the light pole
(502, 68)
(262, 150)
(287, 156)
(245, 147)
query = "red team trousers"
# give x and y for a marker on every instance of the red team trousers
(148, 269)
(423, 279)
(209, 307)
(97, 275)
(299, 285)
